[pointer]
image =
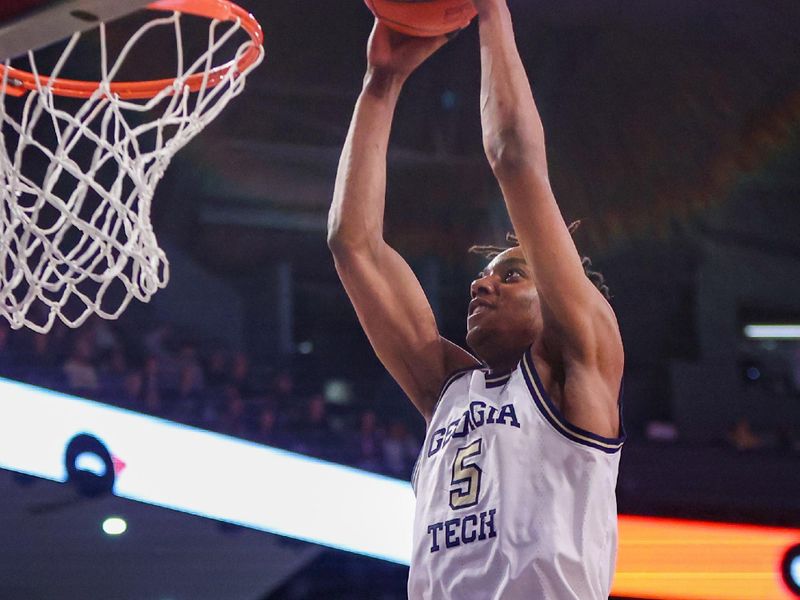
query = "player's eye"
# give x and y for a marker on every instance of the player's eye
(513, 274)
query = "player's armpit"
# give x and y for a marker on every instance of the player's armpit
(591, 401)
(398, 320)
(591, 354)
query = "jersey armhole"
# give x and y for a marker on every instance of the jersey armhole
(556, 419)
(448, 381)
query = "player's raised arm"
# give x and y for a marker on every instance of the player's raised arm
(579, 326)
(387, 297)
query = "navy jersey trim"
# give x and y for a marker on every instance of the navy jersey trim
(493, 380)
(454, 376)
(553, 415)
(450, 380)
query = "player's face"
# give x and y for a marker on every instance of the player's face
(504, 313)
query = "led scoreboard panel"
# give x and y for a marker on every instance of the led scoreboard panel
(183, 468)
(102, 448)
(671, 559)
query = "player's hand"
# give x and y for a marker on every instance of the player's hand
(392, 53)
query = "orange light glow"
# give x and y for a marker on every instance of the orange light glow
(672, 559)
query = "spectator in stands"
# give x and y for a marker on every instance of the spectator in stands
(283, 388)
(151, 388)
(41, 351)
(240, 373)
(6, 355)
(104, 337)
(314, 435)
(317, 414)
(216, 372)
(78, 369)
(112, 375)
(132, 391)
(400, 450)
(267, 431)
(160, 343)
(282, 395)
(158, 340)
(369, 440)
(191, 384)
(187, 399)
(192, 378)
(233, 418)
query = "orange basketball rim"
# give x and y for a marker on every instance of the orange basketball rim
(19, 82)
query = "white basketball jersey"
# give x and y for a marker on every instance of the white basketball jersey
(513, 502)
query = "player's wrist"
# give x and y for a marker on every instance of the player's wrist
(487, 8)
(381, 81)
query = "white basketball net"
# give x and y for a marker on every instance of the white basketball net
(75, 231)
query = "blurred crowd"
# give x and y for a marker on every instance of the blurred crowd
(166, 373)
(163, 373)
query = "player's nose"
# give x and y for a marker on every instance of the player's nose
(480, 287)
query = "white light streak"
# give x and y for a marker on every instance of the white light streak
(211, 475)
(773, 332)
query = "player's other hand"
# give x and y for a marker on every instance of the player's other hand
(390, 53)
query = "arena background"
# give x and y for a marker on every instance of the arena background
(673, 134)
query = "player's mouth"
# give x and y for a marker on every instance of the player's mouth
(478, 306)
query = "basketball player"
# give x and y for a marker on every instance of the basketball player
(515, 481)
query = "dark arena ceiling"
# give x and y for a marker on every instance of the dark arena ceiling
(653, 110)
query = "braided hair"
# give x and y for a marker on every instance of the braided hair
(489, 252)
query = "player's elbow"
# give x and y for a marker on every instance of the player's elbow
(345, 245)
(335, 238)
(510, 151)
(340, 237)
(340, 244)
(348, 235)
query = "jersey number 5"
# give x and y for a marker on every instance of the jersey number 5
(466, 477)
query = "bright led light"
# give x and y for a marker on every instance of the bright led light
(115, 526)
(772, 332)
(90, 462)
(794, 570)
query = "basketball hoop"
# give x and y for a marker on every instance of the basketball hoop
(80, 160)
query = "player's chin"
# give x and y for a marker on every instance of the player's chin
(471, 331)
(477, 334)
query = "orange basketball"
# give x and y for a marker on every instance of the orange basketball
(423, 18)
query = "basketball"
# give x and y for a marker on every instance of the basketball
(423, 18)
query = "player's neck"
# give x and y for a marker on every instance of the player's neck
(499, 361)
